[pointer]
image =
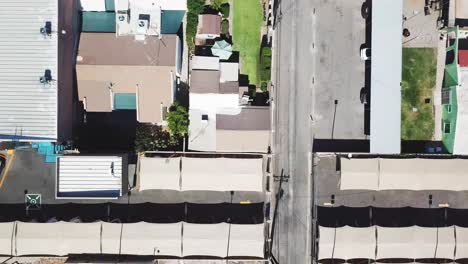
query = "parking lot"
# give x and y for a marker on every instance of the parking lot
(339, 71)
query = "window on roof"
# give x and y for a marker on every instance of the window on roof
(124, 101)
(447, 127)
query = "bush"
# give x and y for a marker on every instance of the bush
(216, 4)
(224, 9)
(195, 7)
(177, 120)
(265, 64)
(153, 138)
(225, 27)
(264, 86)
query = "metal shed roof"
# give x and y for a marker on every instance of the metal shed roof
(386, 76)
(28, 108)
(89, 176)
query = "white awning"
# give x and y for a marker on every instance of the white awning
(58, 239)
(423, 174)
(404, 174)
(347, 243)
(93, 5)
(462, 242)
(247, 241)
(143, 239)
(461, 9)
(395, 242)
(6, 238)
(152, 239)
(158, 173)
(386, 65)
(445, 242)
(407, 242)
(110, 238)
(359, 174)
(205, 240)
(222, 174)
(326, 242)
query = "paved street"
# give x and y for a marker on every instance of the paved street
(316, 47)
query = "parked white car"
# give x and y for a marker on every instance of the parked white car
(365, 54)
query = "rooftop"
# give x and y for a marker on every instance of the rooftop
(386, 68)
(209, 24)
(107, 49)
(146, 69)
(204, 81)
(28, 108)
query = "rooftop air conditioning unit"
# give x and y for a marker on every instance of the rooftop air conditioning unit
(142, 26)
(123, 17)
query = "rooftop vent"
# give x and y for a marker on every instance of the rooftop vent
(47, 29)
(47, 78)
(204, 118)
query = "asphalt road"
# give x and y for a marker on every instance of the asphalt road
(317, 76)
(293, 78)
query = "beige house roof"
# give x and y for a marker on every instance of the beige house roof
(242, 140)
(203, 81)
(108, 65)
(107, 49)
(209, 24)
(152, 84)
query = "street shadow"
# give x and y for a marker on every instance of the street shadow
(244, 80)
(182, 94)
(341, 145)
(423, 146)
(107, 132)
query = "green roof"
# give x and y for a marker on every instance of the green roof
(98, 22)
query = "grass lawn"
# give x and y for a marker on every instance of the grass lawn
(247, 22)
(419, 77)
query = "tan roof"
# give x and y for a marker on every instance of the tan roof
(209, 24)
(202, 81)
(242, 140)
(107, 49)
(154, 87)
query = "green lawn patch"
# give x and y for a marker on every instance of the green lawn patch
(247, 23)
(419, 77)
(195, 7)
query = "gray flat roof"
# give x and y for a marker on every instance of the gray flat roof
(385, 123)
(250, 118)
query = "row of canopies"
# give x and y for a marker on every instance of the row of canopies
(143, 239)
(403, 174)
(201, 174)
(383, 243)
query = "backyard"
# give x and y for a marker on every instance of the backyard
(419, 77)
(247, 23)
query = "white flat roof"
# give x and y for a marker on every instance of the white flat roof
(385, 113)
(205, 63)
(89, 176)
(28, 108)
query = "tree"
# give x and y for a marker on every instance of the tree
(216, 4)
(177, 120)
(153, 138)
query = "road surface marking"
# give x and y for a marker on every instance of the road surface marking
(7, 167)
